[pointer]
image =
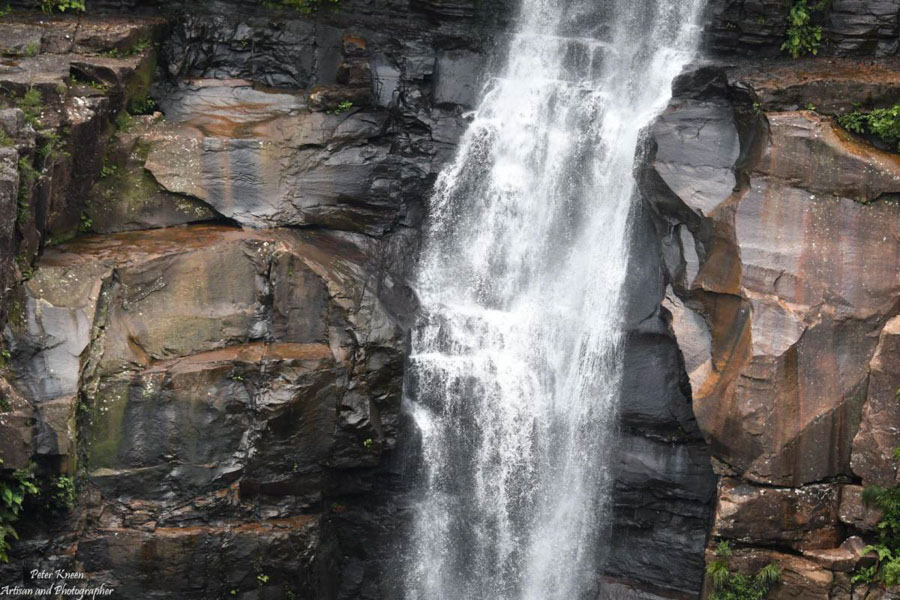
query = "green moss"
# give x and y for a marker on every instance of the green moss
(28, 175)
(107, 419)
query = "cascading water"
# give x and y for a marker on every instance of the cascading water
(515, 363)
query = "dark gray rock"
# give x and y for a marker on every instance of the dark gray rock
(456, 77)
(661, 508)
(757, 27)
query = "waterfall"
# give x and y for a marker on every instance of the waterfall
(516, 359)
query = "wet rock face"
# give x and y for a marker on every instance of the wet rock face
(199, 418)
(229, 398)
(756, 28)
(222, 364)
(779, 235)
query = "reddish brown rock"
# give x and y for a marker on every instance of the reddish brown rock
(810, 280)
(855, 512)
(800, 578)
(833, 559)
(833, 86)
(803, 518)
(879, 433)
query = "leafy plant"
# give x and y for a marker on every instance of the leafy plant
(304, 7)
(85, 223)
(142, 106)
(48, 6)
(5, 10)
(887, 550)
(61, 494)
(883, 123)
(53, 145)
(32, 104)
(14, 489)
(802, 37)
(108, 170)
(341, 108)
(136, 48)
(728, 585)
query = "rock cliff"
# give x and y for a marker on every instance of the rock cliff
(210, 212)
(780, 238)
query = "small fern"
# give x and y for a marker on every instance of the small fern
(728, 585)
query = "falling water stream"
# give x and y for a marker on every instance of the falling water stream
(516, 360)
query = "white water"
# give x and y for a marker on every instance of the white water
(515, 365)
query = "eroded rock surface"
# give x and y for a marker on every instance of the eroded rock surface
(781, 236)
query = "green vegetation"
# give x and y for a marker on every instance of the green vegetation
(883, 123)
(32, 49)
(85, 223)
(136, 48)
(108, 170)
(52, 146)
(14, 489)
(32, 104)
(75, 80)
(341, 108)
(60, 494)
(5, 140)
(304, 7)
(24, 486)
(5, 10)
(368, 443)
(142, 106)
(27, 176)
(49, 6)
(124, 121)
(887, 551)
(802, 37)
(727, 585)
